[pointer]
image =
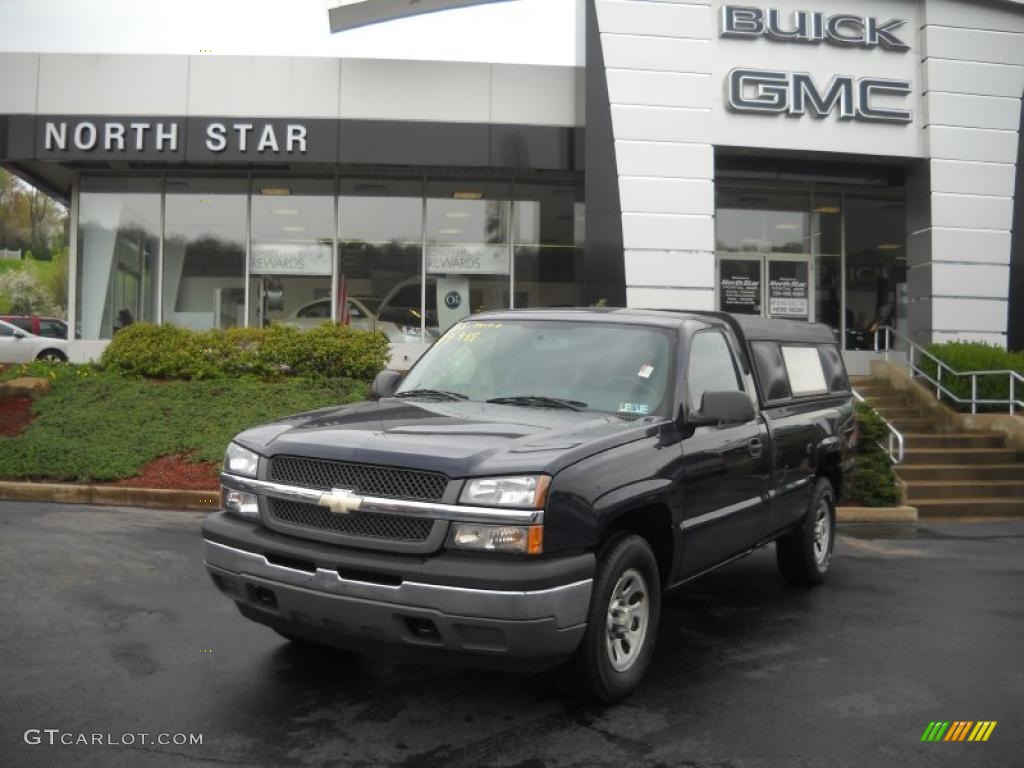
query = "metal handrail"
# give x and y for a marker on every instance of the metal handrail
(895, 447)
(1012, 402)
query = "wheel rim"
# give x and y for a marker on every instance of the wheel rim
(628, 615)
(822, 532)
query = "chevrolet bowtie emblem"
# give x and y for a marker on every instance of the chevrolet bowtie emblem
(340, 501)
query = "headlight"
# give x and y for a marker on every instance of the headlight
(524, 492)
(240, 461)
(526, 539)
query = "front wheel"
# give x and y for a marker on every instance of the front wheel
(622, 622)
(805, 553)
(52, 356)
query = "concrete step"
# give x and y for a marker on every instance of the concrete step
(890, 401)
(945, 489)
(912, 473)
(915, 440)
(971, 456)
(900, 414)
(914, 426)
(970, 507)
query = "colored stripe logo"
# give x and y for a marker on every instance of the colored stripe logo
(959, 730)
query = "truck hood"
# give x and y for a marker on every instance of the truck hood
(458, 438)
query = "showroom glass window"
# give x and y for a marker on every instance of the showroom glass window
(118, 242)
(204, 252)
(380, 247)
(468, 247)
(827, 246)
(548, 240)
(291, 252)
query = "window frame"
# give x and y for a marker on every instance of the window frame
(737, 371)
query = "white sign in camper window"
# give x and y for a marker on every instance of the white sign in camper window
(806, 376)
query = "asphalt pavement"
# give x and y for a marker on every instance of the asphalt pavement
(111, 629)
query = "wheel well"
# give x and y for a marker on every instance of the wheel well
(831, 469)
(654, 523)
(51, 350)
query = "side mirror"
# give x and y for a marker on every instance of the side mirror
(729, 407)
(385, 384)
(19, 334)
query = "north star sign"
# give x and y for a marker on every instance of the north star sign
(138, 135)
(767, 92)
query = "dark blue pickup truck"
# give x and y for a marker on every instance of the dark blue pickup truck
(535, 482)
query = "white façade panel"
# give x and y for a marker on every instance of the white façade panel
(668, 231)
(962, 110)
(659, 89)
(985, 245)
(660, 53)
(965, 315)
(533, 95)
(18, 82)
(970, 280)
(665, 159)
(975, 15)
(661, 123)
(676, 269)
(267, 86)
(973, 45)
(972, 178)
(638, 17)
(93, 84)
(645, 194)
(971, 211)
(415, 90)
(947, 143)
(702, 299)
(973, 77)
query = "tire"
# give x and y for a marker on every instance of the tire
(52, 356)
(805, 553)
(609, 667)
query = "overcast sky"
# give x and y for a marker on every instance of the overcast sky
(527, 31)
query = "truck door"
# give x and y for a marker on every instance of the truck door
(725, 467)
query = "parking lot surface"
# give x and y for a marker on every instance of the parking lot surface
(111, 627)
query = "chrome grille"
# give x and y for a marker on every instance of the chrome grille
(361, 479)
(366, 524)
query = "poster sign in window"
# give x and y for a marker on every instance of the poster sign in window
(788, 289)
(468, 259)
(740, 286)
(290, 259)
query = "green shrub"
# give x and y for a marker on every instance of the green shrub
(874, 481)
(97, 425)
(976, 356)
(169, 352)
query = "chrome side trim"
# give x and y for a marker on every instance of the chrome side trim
(456, 512)
(568, 603)
(720, 513)
(790, 486)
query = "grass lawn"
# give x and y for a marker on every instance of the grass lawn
(102, 426)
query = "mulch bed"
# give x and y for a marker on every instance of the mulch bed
(15, 415)
(177, 473)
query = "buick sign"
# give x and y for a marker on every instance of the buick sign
(842, 29)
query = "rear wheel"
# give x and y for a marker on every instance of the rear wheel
(52, 356)
(805, 553)
(622, 622)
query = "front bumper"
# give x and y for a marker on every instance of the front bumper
(318, 591)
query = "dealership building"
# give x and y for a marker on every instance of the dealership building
(854, 163)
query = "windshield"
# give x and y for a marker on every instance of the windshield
(609, 367)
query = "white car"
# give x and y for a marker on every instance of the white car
(360, 316)
(18, 346)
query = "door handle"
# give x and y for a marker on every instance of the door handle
(754, 446)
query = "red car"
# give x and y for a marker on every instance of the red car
(50, 327)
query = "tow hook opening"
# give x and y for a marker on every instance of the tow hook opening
(261, 596)
(423, 629)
